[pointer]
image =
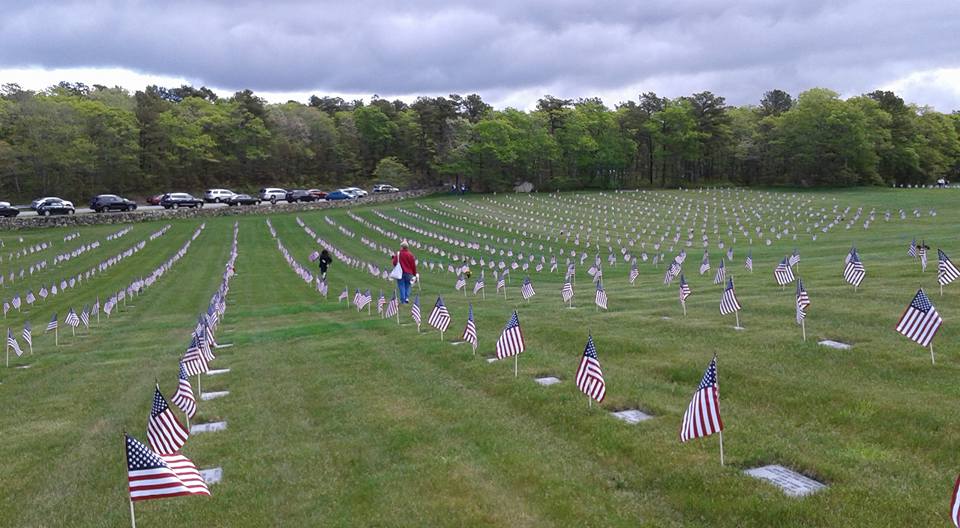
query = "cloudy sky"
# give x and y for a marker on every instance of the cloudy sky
(509, 51)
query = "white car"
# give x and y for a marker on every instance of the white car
(272, 194)
(384, 188)
(349, 192)
(218, 195)
(360, 193)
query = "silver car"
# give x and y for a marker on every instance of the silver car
(218, 195)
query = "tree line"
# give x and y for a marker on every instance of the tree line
(77, 140)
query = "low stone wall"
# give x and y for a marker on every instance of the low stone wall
(31, 222)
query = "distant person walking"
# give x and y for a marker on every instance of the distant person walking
(324, 261)
(408, 264)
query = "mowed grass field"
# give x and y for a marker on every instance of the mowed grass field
(337, 418)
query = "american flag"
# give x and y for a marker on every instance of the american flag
(923, 258)
(85, 316)
(16, 301)
(912, 250)
(705, 264)
(721, 273)
(415, 311)
(702, 417)
(28, 334)
(728, 301)
(501, 281)
(439, 317)
(343, 295)
(684, 289)
(72, 319)
(478, 285)
(672, 271)
(730, 254)
(164, 432)
(567, 291)
(955, 505)
(783, 273)
(470, 332)
(946, 271)
(12, 343)
(510, 342)
(748, 262)
(803, 301)
(193, 360)
(920, 321)
(381, 302)
(526, 290)
(392, 307)
(853, 272)
(322, 287)
(794, 258)
(589, 376)
(184, 396)
(461, 282)
(601, 297)
(31, 298)
(153, 476)
(52, 325)
(634, 272)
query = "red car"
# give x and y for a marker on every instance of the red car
(318, 193)
(155, 200)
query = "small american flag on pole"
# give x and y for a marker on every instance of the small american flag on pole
(12, 343)
(52, 325)
(728, 301)
(415, 311)
(461, 283)
(392, 307)
(783, 273)
(705, 263)
(721, 273)
(589, 375)
(501, 281)
(164, 432)
(634, 272)
(567, 291)
(803, 301)
(479, 284)
(510, 342)
(601, 297)
(184, 396)
(748, 262)
(702, 417)
(153, 476)
(28, 334)
(946, 271)
(470, 332)
(912, 250)
(684, 289)
(439, 317)
(526, 290)
(853, 272)
(920, 321)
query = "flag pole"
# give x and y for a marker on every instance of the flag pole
(737, 313)
(199, 390)
(721, 448)
(684, 304)
(56, 336)
(516, 361)
(133, 517)
(8, 349)
(803, 326)
(932, 359)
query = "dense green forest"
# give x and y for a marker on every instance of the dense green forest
(76, 141)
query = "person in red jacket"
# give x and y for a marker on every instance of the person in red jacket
(408, 263)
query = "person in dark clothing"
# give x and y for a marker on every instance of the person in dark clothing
(324, 261)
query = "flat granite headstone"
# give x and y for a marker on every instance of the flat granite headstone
(223, 345)
(835, 344)
(217, 371)
(739, 328)
(491, 360)
(212, 475)
(455, 343)
(792, 483)
(213, 395)
(631, 416)
(666, 318)
(209, 427)
(24, 366)
(547, 381)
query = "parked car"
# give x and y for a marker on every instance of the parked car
(318, 193)
(339, 195)
(178, 200)
(217, 195)
(38, 201)
(52, 206)
(272, 194)
(299, 195)
(7, 211)
(357, 191)
(348, 192)
(384, 188)
(155, 199)
(242, 199)
(111, 202)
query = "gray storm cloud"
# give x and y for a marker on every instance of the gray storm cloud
(738, 49)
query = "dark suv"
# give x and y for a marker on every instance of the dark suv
(178, 200)
(300, 196)
(111, 202)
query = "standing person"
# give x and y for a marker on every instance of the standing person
(408, 264)
(324, 261)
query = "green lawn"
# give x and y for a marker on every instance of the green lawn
(337, 418)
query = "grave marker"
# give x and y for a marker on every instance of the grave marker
(792, 483)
